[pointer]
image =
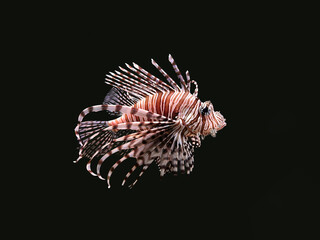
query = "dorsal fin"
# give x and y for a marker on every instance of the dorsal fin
(117, 96)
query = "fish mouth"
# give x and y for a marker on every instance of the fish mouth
(213, 133)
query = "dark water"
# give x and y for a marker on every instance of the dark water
(255, 179)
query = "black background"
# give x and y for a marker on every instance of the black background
(254, 179)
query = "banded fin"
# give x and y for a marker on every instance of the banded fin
(89, 128)
(92, 136)
(139, 83)
(117, 96)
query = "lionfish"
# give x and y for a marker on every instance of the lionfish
(157, 122)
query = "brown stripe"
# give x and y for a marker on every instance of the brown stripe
(104, 107)
(146, 100)
(167, 104)
(128, 125)
(181, 100)
(135, 150)
(198, 122)
(126, 117)
(203, 123)
(134, 110)
(194, 103)
(196, 117)
(158, 103)
(131, 171)
(149, 115)
(118, 108)
(137, 118)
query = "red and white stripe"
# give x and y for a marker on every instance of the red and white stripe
(167, 119)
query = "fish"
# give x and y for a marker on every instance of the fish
(155, 122)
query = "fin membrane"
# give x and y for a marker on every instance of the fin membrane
(93, 136)
(117, 96)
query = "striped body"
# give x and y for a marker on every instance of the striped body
(168, 104)
(166, 122)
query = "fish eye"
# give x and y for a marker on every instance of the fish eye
(205, 110)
